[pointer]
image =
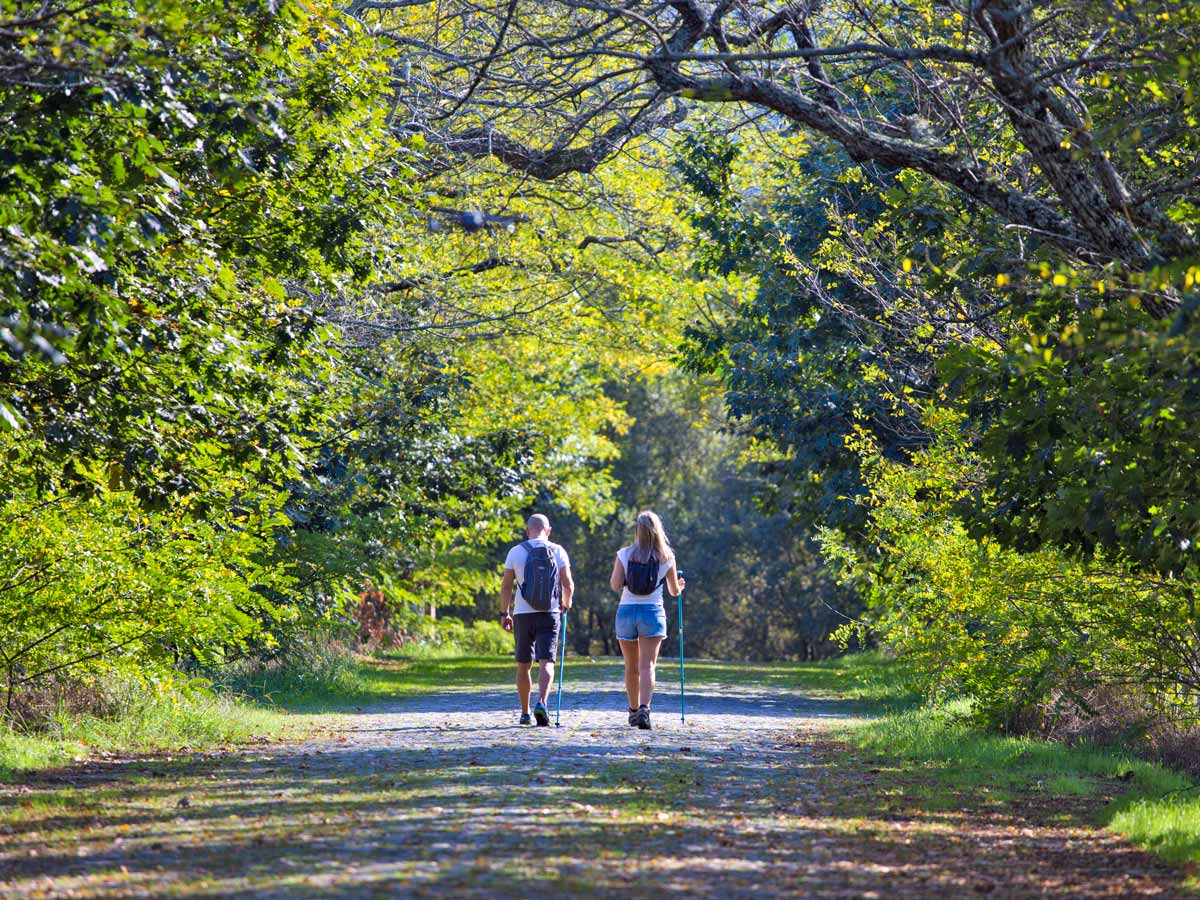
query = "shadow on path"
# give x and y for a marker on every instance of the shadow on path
(444, 795)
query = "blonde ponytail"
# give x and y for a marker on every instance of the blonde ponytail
(649, 537)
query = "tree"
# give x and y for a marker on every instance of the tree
(1075, 127)
(756, 587)
(230, 315)
(1021, 173)
(175, 180)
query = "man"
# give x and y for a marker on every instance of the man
(541, 573)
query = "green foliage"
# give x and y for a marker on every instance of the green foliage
(797, 377)
(161, 183)
(755, 588)
(313, 662)
(1015, 631)
(177, 180)
(92, 582)
(451, 637)
(225, 390)
(1092, 445)
(994, 437)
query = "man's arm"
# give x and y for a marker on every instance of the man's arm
(566, 586)
(506, 598)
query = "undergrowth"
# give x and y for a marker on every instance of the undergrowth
(143, 718)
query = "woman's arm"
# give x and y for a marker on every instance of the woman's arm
(675, 583)
(617, 580)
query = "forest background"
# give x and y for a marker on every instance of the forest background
(891, 314)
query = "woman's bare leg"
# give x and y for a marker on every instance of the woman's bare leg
(629, 650)
(648, 648)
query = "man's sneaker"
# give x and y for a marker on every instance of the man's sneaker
(540, 713)
(642, 717)
(632, 716)
(525, 720)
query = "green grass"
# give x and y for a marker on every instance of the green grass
(1153, 806)
(1170, 826)
(935, 757)
(144, 722)
(869, 680)
(253, 705)
(376, 680)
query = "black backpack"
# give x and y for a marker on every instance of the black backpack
(642, 577)
(540, 588)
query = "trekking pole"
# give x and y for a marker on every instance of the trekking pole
(561, 665)
(682, 706)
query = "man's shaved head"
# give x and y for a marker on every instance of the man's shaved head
(537, 524)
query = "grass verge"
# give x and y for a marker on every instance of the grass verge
(928, 758)
(942, 762)
(143, 722)
(269, 703)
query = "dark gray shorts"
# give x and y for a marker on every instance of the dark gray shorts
(536, 636)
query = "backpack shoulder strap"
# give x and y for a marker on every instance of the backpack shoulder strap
(526, 546)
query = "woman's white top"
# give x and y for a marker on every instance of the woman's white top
(656, 598)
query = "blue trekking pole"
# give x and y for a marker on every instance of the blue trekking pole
(679, 606)
(561, 665)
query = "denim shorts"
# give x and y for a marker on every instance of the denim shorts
(635, 620)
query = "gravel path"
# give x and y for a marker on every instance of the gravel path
(444, 795)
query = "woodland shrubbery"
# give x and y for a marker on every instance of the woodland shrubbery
(991, 430)
(1014, 509)
(387, 624)
(1041, 641)
(295, 297)
(239, 377)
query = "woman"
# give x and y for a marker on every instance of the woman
(639, 573)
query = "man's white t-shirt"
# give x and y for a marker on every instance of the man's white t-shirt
(516, 561)
(664, 566)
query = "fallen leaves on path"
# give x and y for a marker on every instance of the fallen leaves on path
(754, 803)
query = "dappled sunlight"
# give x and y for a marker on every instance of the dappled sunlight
(441, 794)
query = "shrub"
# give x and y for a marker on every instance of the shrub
(95, 585)
(306, 663)
(449, 636)
(387, 618)
(131, 713)
(1027, 635)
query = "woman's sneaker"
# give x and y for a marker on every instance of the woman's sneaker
(541, 713)
(632, 716)
(642, 718)
(525, 720)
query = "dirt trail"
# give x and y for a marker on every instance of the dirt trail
(444, 795)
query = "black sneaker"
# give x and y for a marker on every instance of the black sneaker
(525, 720)
(642, 718)
(540, 713)
(632, 716)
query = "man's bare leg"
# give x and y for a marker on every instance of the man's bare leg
(545, 679)
(524, 685)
